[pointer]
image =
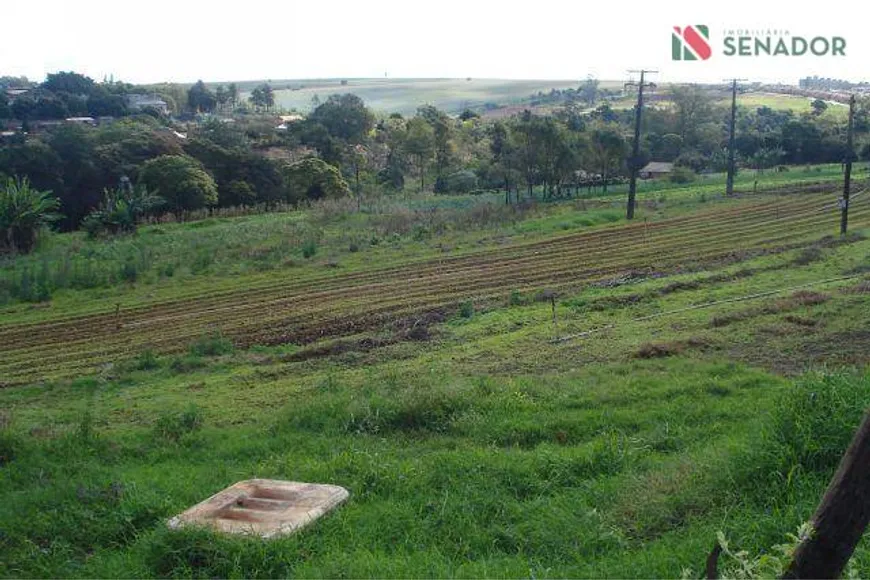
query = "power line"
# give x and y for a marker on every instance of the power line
(635, 153)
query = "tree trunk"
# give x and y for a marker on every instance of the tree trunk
(422, 174)
(842, 516)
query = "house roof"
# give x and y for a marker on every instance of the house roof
(145, 100)
(658, 167)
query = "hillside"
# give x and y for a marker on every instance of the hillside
(405, 95)
(540, 389)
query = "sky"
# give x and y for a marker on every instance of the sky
(186, 40)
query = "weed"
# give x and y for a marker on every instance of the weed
(309, 248)
(516, 298)
(146, 361)
(186, 364)
(129, 271)
(8, 441)
(214, 344)
(173, 426)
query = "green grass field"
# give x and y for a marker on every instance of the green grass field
(794, 103)
(415, 358)
(405, 95)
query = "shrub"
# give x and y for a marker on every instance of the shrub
(461, 182)
(173, 426)
(8, 442)
(309, 248)
(466, 309)
(516, 298)
(682, 175)
(120, 210)
(146, 361)
(186, 364)
(24, 211)
(211, 345)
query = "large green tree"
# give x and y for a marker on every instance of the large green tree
(419, 142)
(200, 99)
(606, 153)
(345, 117)
(180, 180)
(441, 133)
(312, 179)
(68, 82)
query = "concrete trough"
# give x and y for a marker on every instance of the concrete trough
(263, 507)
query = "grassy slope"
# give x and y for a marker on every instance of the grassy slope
(479, 449)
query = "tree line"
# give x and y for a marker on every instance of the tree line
(105, 178)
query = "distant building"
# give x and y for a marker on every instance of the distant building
(655, 169)
(141, 102)
(14, 93)
(287, 119)
(81, 120)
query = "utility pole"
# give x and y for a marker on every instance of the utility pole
(729, 184)
(635, 150)
(844, 202)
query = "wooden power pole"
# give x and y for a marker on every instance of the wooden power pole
(842, 516)
(844, 202)
(729, 184)
(635, 150)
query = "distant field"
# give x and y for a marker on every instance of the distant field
(752, 100)
(405, 95)
(793, 103)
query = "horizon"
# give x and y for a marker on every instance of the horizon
(367, 40)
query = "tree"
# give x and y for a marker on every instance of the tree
(68, 82)
(24, 211)
(440, 123)
(692, 107)
(605, 153)
(50, 107)
(503, 149)
(393, 134)
(5, 111)
(420, 143)
(79, 172)
(312, 179)
(818, 106)
(345, 117)
(103, 103)
(200, 99)
(262, 97)
(221, 96)
(528, 152)
(242, 176)
(233, 95)
(588, 91)
(23, 108)
(766, 158)
(122, 147)
(180, 180)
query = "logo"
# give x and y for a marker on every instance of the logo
(691, 43)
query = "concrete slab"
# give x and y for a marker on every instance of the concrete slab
(263, 507)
